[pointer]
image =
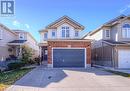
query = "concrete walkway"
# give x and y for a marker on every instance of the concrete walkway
(41, 79)
(114, 69)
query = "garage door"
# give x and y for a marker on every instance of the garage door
(68, 57)
(124, 59)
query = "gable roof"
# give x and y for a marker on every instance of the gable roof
(6, 28)
(18, 31)
(107, 24)
(62, 20)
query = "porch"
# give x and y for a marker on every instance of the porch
(15, 49)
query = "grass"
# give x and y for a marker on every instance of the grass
(9, 78)
(119, 73)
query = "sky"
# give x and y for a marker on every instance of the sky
(34, 15)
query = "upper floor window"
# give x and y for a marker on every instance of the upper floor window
(45, 35)
(53, 33)
(107, 33)
(126, 31)
(65, 32)
(1, 34)
(21, 36)
(76, 33)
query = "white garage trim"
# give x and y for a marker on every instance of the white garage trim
(85, 64)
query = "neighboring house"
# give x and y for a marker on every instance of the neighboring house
(26, 39)
(111, 43)
(62, 46)
(11, 42)
(6, 35)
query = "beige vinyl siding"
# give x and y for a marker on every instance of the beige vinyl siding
(32, 44)
(7, 37)
(97, 36)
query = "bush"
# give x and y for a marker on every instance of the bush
(15, 65)
(26, 54)
(37, 60)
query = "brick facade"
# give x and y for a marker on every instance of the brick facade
(70, 44)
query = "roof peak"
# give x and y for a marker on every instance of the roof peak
(64, 17)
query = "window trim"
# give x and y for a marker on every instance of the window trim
(66, 31)
(46, 36)
(23, 35)
(125, 31)
(53, 31)
(107, 32)
(76, 33)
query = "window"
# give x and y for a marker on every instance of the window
(1, 34)
(21, 36)
(63, 27)
(126, 31)
(53, 33)
(65, 32)
(45, 35)
(76, 33)
(107, 33)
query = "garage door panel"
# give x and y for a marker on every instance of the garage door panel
(124, 58)
(68, 57)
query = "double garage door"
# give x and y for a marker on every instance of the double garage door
(124, 58)
(68, 58)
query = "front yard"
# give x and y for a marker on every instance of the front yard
(9, 78)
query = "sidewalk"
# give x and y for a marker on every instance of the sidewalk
(114, 69)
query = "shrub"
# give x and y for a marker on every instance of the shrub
(26, 54)
(15, 65)
(37, 60)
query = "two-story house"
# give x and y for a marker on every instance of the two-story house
(62, 46)
(111, 43)
(24, 38)
(11, 42)
(6, 35)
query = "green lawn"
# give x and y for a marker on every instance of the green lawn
(9, 78)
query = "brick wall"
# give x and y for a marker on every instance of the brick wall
(69, 44)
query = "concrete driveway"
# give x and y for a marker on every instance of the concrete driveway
(41, 79)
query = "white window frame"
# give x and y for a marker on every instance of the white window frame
(53, 31)
(66, 34)
(76, 33)
(107, 32)
(1, 34)
(46, 36)
(23, 36)
(125, 32)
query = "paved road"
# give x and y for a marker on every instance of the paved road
(93, 79)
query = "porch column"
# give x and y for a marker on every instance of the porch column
(40, 54)
(20, 51)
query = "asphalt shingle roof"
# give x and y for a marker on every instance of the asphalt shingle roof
(18, 41)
